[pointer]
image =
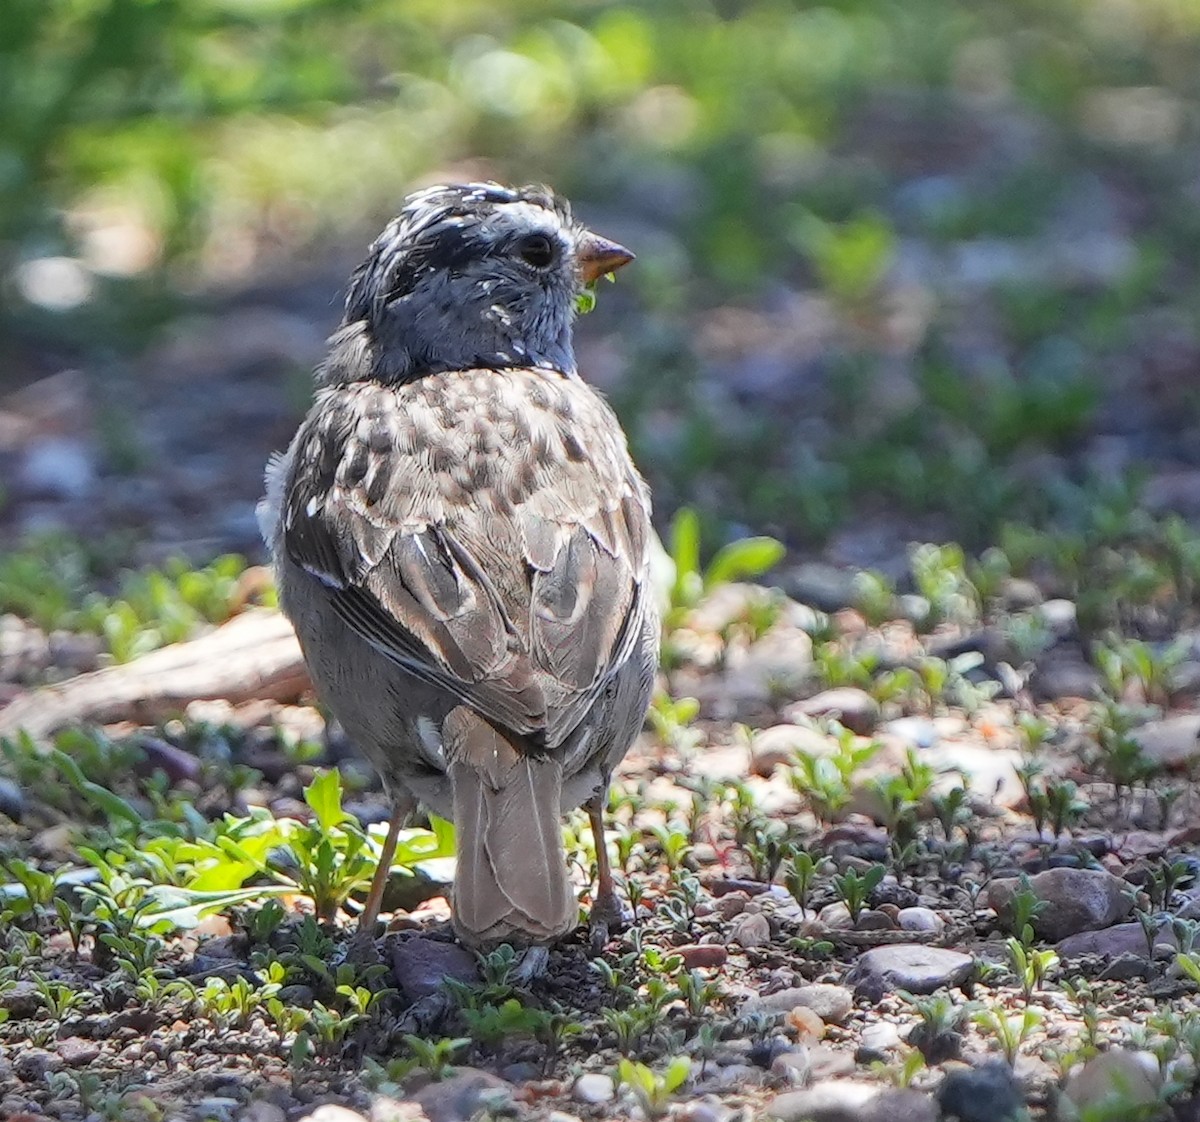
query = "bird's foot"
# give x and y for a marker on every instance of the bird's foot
(608, 916)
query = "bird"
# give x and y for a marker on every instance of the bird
(463, 545)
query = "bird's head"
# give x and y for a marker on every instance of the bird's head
(473, 275)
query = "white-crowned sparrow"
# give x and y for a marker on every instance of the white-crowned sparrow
(462, 543)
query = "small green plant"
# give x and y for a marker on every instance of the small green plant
(1029, 965)
(854, 890)
(798, 879)
(654, 1090)
(1010, 1033)
(739, 560)
(938, 1033)
(1025, 907)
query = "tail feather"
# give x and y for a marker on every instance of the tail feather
(511, 879)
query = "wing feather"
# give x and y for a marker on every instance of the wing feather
(485, 530)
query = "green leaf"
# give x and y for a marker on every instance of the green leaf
(324, 796)
(750, 557)
(115, 807)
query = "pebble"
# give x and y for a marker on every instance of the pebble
(750, 929)
(831, 1003)
(1114, 942)
(706, 1109)
(794, 1066)
(12, 800)
(420, 966)
(920, 919)
(987, 1093)
(808, 1027)
(458, 1098)
(909, 966)
(32, 1066)
(1077, 900)
(74, 1051)
(22, 999)
(593, 1088)
(262, 1111)
(1132, 1078)
(845, 1099)
(854, 708)
(779, 745)
(703, 955)
(1173, 742)
(221, 1108)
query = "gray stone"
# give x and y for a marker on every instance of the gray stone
(593, 1088)
(330, 1112)
(458, 1098)
(915, 967)
(830, 1003)
(835, 1100)
(1076, 900)
(854, 708)
(920, 919)
(987, 1093)
(793, 1067)
(750, 929)
(1114, 942)
(824, 587)
(778, 745)
(74, 1051)
(420, 966)
(1171, 743)
(1130, 1078)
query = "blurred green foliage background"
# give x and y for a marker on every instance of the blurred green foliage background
(920, 258)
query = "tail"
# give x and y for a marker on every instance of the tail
(511, 880)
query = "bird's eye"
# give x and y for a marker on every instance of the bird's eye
(536, 250)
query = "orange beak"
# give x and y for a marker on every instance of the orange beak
(597, 256)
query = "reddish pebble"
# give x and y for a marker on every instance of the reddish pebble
(697, 955)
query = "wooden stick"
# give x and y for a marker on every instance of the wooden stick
(253, 656)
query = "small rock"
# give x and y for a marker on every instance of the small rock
(1076, 900)
(1064, 673)
(703, 955)
(57, 467)
(854, 708)
(1126, 967)
(828, 1063)
(262, 1111)
(750, 929)
(12, 800)
(825, 587)
(77, 1052)
(920, 732)
(1115, 942)
(823, 1103)
(793, 1066)
(1121, 1076)
(456, 1099)
(920, 919)
(32, 1066)
(987, 1093)
(731, 904)
(420, 966)
(298, 994)
(808, 1027)
(593, 1088)
(778, 745)
(331, 1112)
(22, 999)
(880, 1037)
(706, 1109)
(222, 1108)
(914, 967)
(831, 1003)
(384, 1109)
(1171, 743)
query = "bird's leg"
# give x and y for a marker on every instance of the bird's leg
(365, 934)
(608, 914)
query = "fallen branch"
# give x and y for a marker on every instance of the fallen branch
(254, 656)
